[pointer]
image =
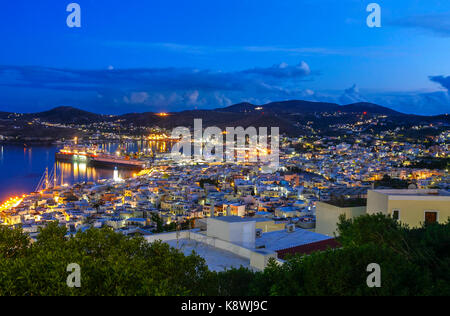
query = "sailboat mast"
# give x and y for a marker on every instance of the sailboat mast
(46, 178)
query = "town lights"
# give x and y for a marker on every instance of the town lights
(11, 203)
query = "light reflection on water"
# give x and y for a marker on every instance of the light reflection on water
(21, 167)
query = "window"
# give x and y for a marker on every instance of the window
(431, 217)
(396, 215)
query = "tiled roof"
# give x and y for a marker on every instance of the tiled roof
(309, 248)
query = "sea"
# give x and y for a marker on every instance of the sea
(22, 167)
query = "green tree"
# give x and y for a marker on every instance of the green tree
(111, 264)
(13, 242)
(343, 272)
(413, 262)
(155, 218)
(378, 229)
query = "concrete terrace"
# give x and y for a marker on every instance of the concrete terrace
(216, 259)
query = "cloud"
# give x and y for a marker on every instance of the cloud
(149, 89)
(428, 103)
(137, 98)
(351, 95)
(436, 23)
(193, 97)
(442, 80)
(301, 52)
(150, 78)
(412, 102)
(205, 49)
(282, 70)
(114, 91)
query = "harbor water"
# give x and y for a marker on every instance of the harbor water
(22, 167)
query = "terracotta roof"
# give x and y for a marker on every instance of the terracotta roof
(309, 248)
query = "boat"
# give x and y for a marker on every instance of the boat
(98, 158)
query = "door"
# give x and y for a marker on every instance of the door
(430, 217)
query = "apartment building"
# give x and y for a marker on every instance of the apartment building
(411, 207)
(328, 213)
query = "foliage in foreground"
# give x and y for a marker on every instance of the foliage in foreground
(111, 264)
(413, 262)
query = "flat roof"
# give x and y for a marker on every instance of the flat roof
(233, 219)
(216, 259)
(281, 239)
(415, 192)
(310, 248)
(262, 219)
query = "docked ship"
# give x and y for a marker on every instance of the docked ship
(98, 158)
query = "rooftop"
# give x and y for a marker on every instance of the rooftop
(414, 192)
(279, 240)
(357, 202)
(233, 219)
(216, 259)
(310, 248)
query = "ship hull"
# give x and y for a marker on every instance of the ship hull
(101, 162)
(112, 165)
(63, 157)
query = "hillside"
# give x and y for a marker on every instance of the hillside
(68, 115)
(371, 108)
(4, 115)
(291, 116)
(294, 106)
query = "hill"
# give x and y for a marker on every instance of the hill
(371, 108)
(308, 107)
(283, 107)
(290, 116)
(4, 115)
(68, 115)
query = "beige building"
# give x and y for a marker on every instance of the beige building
(269, 225)
(232, 229)
(327, 216)
(236, 209)
(411, 207)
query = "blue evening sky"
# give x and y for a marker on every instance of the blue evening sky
(148, 55)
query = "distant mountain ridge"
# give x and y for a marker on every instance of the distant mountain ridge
(290, 116)
(302, 107)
